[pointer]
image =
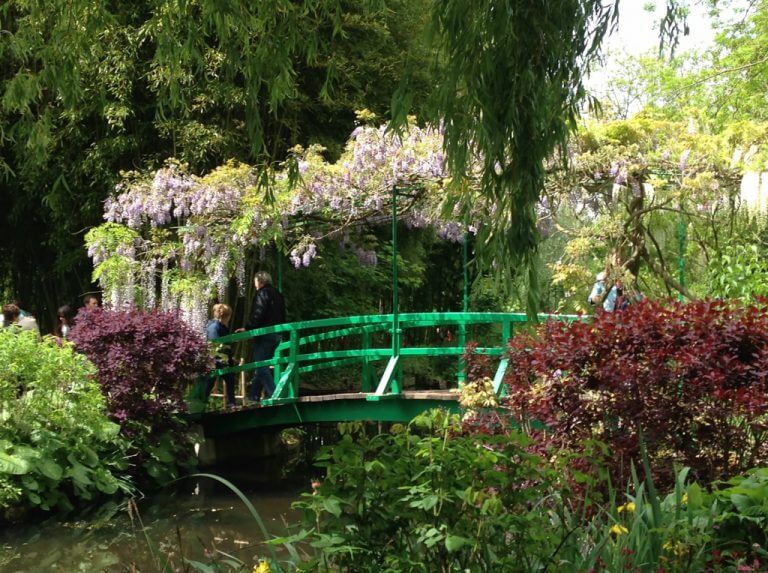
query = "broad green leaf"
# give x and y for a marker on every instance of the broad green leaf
(15, 465)
(79, 474)
(163, 454)
(742, 502)
(30, 483)
(455, 542)
(50, 469)
(332, 506)
(106, 486)
(88, 456)
(695, 498)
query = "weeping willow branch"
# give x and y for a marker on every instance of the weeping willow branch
(509, 92)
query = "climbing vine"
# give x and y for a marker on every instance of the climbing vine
(174, 240)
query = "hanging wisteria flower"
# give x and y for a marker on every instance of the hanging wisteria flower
(198, 230)
(684, 159)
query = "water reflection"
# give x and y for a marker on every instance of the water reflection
(194, 520)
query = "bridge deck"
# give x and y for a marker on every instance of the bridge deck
(349, 406)
(447, 395)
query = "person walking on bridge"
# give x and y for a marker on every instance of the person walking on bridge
(267, 309)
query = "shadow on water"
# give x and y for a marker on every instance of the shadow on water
(190, 519)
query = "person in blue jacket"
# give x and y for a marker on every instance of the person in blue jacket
(217, 327)
(600, 294)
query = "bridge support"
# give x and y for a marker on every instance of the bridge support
(234, 448)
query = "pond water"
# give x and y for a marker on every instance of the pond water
(195, 519)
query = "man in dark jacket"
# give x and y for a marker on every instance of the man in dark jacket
(267, 309)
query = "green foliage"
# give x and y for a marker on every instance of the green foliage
(433, 498)
(741, 272)
(687, 530)
(632, 190)
(57, 445)
(429, 499)
(88, 89)
(733, 83)
(716, 87)
(510, 109)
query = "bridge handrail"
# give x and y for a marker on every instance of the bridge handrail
(371, 353)
(422, 318)
(365, 325)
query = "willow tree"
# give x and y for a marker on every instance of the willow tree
(510, 93)
(89, 88)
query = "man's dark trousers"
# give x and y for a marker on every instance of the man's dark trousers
(263, 349)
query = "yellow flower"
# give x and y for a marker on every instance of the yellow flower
(478, 394)
(619, 529)
(678, 548)
(262, 567)
(628, 507)
(685, 499)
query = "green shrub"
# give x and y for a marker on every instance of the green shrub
(434, 497)
(688, 530)
(431, 499)
(57, 444)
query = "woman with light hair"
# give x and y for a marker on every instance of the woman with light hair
(217, 327)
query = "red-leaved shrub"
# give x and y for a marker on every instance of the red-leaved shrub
(691, 378)
(145, 361)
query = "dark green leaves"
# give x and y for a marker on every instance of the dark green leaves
(509, 90)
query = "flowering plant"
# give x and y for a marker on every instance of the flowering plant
(189, 235)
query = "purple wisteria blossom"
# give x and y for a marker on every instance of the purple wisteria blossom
(197, 231)
(684, 159)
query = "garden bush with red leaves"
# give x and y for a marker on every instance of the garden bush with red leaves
(691, 379)
(145, 360)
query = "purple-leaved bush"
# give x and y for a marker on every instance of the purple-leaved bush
(691, 378)
(145, 361)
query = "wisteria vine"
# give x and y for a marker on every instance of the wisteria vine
(174, 240)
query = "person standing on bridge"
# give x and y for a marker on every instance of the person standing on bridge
(267, 309)
(217, 327)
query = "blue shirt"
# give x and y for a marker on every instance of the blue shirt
(216, 329)
(609, 304)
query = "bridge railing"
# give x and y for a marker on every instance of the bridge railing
(292, 358)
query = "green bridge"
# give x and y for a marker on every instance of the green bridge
(380, 395)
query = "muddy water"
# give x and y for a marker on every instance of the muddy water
(197, 519)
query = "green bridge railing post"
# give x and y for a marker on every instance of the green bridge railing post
(293, 353)
(462, 372)
(506, 332)
(498, 379)
(462, 369)
(278, 368)
(396, 331)
(367, 385)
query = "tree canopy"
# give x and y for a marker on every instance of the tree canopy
(92, 89)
